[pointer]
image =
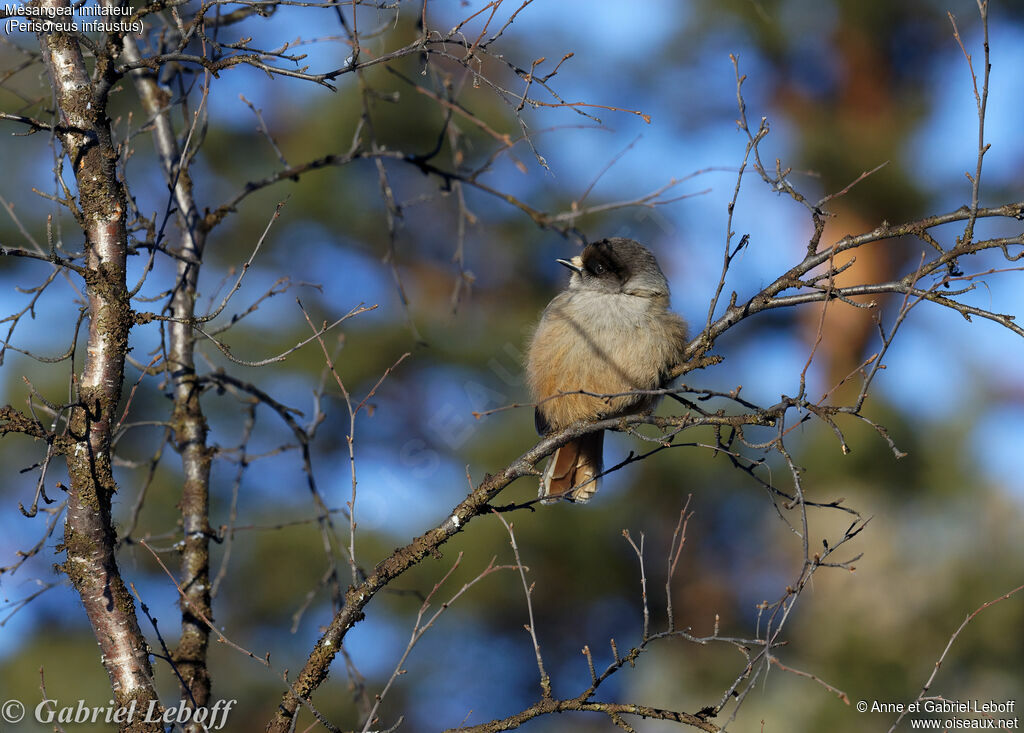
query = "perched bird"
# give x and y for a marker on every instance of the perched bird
(609, 333)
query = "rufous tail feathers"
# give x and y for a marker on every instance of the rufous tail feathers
(574, 469)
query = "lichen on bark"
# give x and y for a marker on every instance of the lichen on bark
(89, 536)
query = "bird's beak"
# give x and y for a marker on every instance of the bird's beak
(575, 264)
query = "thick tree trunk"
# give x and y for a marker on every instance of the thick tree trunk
(89, 537)
(188, 420)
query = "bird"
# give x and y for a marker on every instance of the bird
(601, 346)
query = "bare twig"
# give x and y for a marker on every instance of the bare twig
(545, 679)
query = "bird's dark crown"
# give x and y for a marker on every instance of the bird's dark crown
(622, 264)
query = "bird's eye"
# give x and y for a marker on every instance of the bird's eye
(598, 268)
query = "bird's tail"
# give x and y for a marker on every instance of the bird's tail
(574, 469)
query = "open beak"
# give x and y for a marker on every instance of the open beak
(575, 264)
